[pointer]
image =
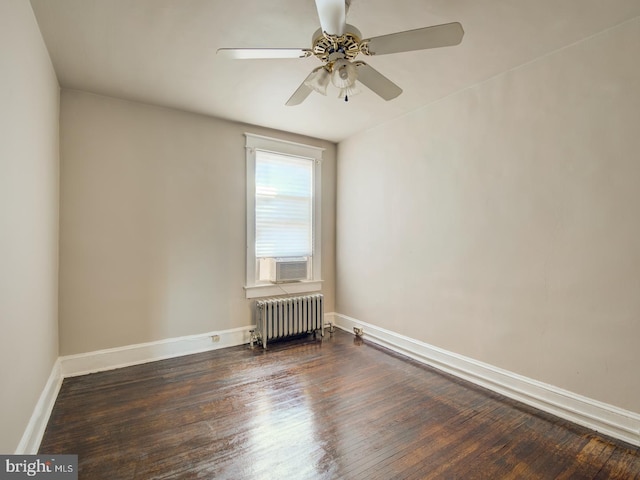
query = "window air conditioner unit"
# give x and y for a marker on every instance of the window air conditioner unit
(281, 270)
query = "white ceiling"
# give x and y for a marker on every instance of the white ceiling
(163, 52)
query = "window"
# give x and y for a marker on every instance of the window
(284, 208)
(283, 217)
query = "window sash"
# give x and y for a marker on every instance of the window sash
(283, 205)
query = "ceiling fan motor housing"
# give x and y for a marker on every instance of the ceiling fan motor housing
(347, 44)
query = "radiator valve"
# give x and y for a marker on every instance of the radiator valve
(253, 338)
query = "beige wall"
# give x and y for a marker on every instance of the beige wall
(503, 222)
(29, 108)
(153, 207)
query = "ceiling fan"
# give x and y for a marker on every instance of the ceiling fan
(336, 44)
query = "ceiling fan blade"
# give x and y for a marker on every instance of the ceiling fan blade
(263, 53)
(377, 82)
(444, 35)
(332, 15)
(301, 94)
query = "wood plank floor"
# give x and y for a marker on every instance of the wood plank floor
(335, 409)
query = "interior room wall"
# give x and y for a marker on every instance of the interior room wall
(29, 96)
(503, 222)
(152, 219)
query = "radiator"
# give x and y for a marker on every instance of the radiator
(285, 317)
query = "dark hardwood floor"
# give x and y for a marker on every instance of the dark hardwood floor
(335, 409)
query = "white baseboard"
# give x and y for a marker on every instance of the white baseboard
(34, 432)
(599, 416)
(101, 360)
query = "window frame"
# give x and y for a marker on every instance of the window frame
(254, 288)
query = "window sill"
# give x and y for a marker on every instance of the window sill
(259, 291)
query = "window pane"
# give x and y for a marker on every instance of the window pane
(284, 199)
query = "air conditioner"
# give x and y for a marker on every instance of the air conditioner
(281, 270)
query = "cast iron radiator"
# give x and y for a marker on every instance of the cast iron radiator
(285, 317)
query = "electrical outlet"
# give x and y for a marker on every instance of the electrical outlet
(359, 331)
(215, 338)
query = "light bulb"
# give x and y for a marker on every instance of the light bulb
(344, 73)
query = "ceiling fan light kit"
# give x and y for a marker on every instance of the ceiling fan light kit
(319, 80)
(336, 44)
(344, 73)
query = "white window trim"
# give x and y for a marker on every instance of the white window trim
(253, 287)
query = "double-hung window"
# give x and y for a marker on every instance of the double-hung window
(283, 217)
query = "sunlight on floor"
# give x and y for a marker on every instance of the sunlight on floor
(283, 442)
